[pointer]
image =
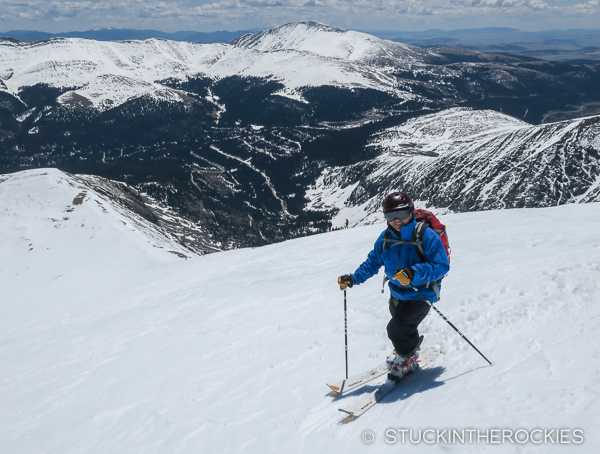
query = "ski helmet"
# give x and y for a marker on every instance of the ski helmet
(398, 201)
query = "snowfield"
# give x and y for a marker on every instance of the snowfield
(109, 343)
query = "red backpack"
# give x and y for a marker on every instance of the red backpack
(427, 219)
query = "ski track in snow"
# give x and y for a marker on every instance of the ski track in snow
(109, 344)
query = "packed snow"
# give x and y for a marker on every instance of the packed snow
(109, 343)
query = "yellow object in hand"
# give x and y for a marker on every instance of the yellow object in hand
(404, 276)
(345, 281)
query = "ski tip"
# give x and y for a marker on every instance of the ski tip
(346, 411)
(335, 390)
(348, 419)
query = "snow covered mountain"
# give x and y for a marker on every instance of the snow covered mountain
(109, 344)
(321, 39)
(465, 160)
(78, 206)
(230, 136)
(107, 74)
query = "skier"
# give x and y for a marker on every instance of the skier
(404, 270)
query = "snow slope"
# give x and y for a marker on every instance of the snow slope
(321, 39)
(111, 345)
(445, 131)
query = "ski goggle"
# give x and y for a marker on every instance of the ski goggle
(397, 214)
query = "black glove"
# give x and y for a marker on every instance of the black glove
(405, 276)
(345, 281)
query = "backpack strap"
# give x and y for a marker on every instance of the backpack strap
(416, 241)
(389, 242)
(417, 238)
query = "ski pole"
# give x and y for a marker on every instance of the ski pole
(346, 332)
(449, 322)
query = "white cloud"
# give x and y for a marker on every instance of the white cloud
(236, 14)
(41, 9)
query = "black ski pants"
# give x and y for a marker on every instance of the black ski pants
(402, 328)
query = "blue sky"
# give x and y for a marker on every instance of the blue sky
(206, 15)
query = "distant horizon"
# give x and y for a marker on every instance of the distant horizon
(208, 16)
(257, 29)
(570, 44)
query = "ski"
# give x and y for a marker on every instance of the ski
(365, 403)
(350, 384)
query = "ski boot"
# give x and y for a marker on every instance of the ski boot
(400, 366)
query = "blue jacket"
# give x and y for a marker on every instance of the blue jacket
(399, 257)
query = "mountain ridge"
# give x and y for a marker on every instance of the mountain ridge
(102, 199)
(232, 137)
(65, 62)
(478, 168)
(561, 45)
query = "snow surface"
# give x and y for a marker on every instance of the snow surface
(111, 344)
(439, 132)
(321, 39)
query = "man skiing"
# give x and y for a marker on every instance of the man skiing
(405, 270)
